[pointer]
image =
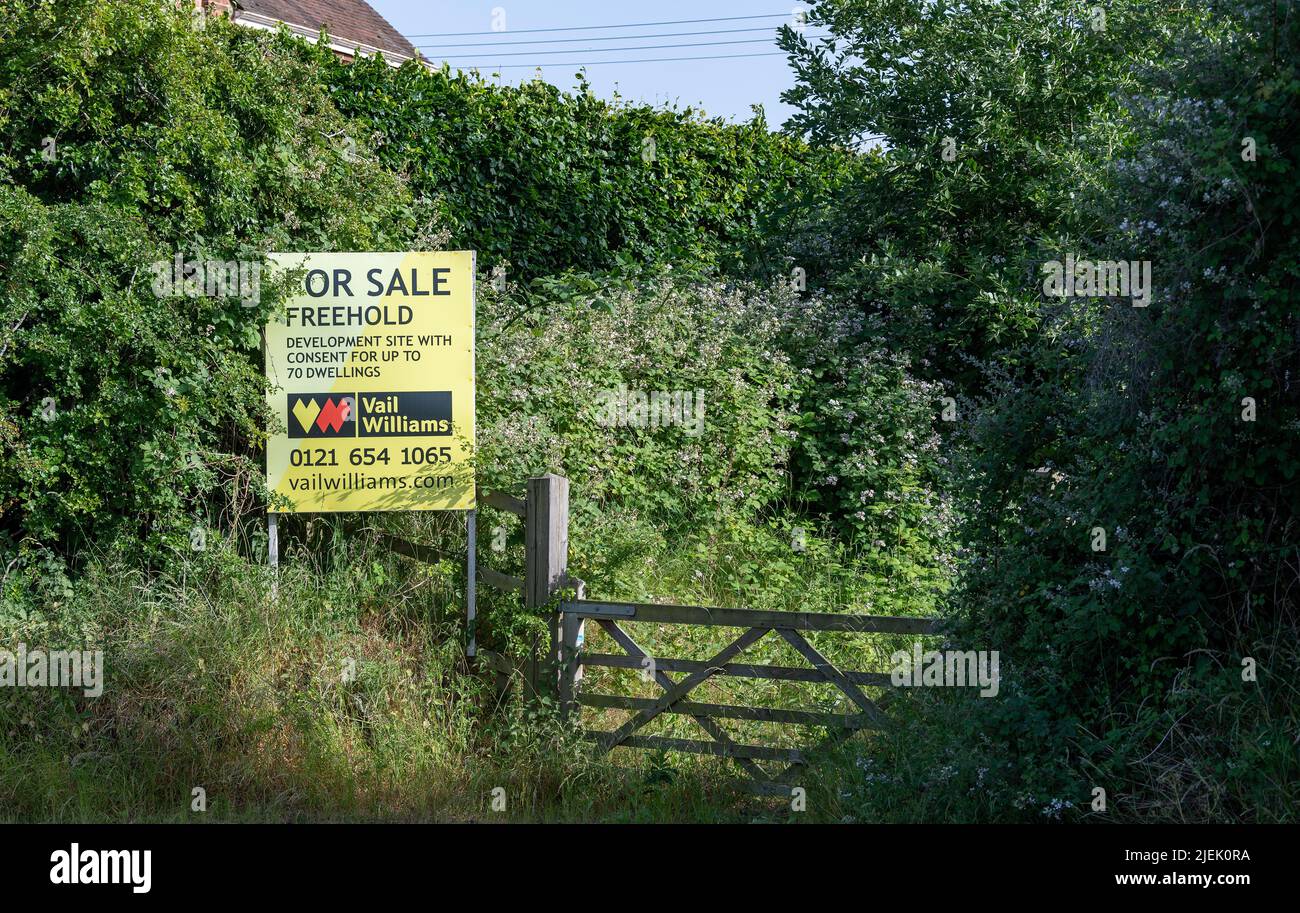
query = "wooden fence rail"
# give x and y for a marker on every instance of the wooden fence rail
(429, 555)
(545, 512)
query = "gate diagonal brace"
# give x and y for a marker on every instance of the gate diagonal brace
(715, 731)
(833, 675)
(685, 686)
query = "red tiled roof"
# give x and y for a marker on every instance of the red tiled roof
(349, 22)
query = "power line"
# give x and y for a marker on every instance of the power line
(638, 47)
(582, 28)
(477, 44)
(594, 63)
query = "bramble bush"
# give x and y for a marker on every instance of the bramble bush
(545, 375)
(1122, 669)
(1136, 656)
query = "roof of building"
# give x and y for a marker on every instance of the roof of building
(350, 23)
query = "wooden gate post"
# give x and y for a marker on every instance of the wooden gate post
(546, 552)
(569, 626)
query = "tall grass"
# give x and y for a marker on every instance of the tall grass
(340, 691)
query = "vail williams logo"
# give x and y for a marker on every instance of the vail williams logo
(405, 414)
(314, 415)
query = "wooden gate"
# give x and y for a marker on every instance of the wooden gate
(756, 625)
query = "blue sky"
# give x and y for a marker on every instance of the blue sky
(725, 88)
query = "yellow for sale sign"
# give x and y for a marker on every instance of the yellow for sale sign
(372, 377)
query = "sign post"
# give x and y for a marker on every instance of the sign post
(471, 583)
(273, 553)
(371, 371)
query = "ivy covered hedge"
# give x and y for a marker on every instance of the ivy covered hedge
(553, 180)
(130, 138)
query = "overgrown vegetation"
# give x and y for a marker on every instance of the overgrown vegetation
(942, 153)
(1125, 669)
